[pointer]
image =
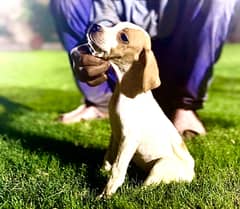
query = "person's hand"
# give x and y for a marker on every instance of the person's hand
(88, 68)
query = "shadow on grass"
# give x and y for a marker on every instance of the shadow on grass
(67, 152)
(213, 121)
(226, 86)
(10, 106)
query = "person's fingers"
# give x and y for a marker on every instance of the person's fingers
(98, 80)
(89, 73)
(97, 70)
(90, 60)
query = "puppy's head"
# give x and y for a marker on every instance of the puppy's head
(129, 47)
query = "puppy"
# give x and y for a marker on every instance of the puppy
(140, 130)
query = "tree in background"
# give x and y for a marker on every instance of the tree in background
(26, 22)
(40, 19)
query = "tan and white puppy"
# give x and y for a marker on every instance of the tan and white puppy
(140, 129)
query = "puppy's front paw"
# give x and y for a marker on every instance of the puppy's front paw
(104, 195)
(99, 197)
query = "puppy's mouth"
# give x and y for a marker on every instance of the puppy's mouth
(96, 45)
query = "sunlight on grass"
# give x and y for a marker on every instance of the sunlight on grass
(45, 164)
(38, 69)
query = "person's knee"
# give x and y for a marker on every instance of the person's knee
(218, 17)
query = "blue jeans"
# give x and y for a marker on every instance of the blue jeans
(187, 38)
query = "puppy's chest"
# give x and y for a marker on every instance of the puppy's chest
(137, 112)
(142, 119)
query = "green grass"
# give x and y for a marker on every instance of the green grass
(44, 164)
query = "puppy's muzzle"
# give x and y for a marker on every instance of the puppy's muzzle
(95, 39)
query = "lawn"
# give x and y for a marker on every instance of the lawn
(45, 164)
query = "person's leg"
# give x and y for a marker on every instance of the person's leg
(186, 58)
(72, 19)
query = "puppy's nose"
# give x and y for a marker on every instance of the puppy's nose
(95, 28)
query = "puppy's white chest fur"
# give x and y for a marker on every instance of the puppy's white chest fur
(145, 122)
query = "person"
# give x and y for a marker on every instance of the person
(187, 38)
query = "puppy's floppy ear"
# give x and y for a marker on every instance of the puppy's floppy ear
(142, 76)
(151, 78)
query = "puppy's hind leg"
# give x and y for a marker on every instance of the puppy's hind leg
(167, 170)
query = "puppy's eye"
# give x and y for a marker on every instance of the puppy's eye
(124, 38)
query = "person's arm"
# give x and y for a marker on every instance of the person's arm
(72, 19)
